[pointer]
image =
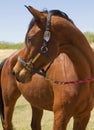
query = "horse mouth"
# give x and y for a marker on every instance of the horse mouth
(21, 78)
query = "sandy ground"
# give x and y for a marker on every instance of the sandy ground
(92, 45)
(5, 53)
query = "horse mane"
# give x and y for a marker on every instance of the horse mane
(54, 13)
(61, 14)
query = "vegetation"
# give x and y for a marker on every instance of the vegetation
(7, 45)
(90, 37)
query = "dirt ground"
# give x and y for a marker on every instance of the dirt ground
(5, 53)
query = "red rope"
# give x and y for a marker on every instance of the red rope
(70, 82)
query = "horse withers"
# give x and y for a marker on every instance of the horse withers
(48, 72)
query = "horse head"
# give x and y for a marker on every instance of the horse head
(46, 38)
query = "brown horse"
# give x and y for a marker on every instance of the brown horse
(51, 72)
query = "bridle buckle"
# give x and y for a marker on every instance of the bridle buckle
(44, 49)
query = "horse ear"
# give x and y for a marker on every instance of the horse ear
(39, 17)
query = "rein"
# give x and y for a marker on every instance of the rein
(43, 73)
(69, 82)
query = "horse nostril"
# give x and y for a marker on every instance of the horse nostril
(13, 73)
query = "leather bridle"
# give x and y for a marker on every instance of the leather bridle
(43, 51)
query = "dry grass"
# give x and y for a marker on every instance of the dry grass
(22, 113)
(22, 116)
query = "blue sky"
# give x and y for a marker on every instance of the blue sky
(14, 17)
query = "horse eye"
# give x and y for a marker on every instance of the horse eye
(29, 39)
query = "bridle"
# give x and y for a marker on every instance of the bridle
(43, 51)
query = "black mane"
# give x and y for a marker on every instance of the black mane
(60, 14)
(54, 13)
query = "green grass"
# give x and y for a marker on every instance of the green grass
(23, 113)
(90, 37)
(6, 45)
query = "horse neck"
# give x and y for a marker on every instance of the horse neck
(76, 46)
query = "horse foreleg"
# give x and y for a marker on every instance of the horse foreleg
(80, 123)
(8, 112)
(61, 109)
(36, 118)
(61, 119)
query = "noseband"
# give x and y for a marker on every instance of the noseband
(43, 51)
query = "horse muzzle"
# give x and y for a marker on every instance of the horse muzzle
(22, 71)
(22, 76)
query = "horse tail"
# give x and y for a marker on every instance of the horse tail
(1, 99)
